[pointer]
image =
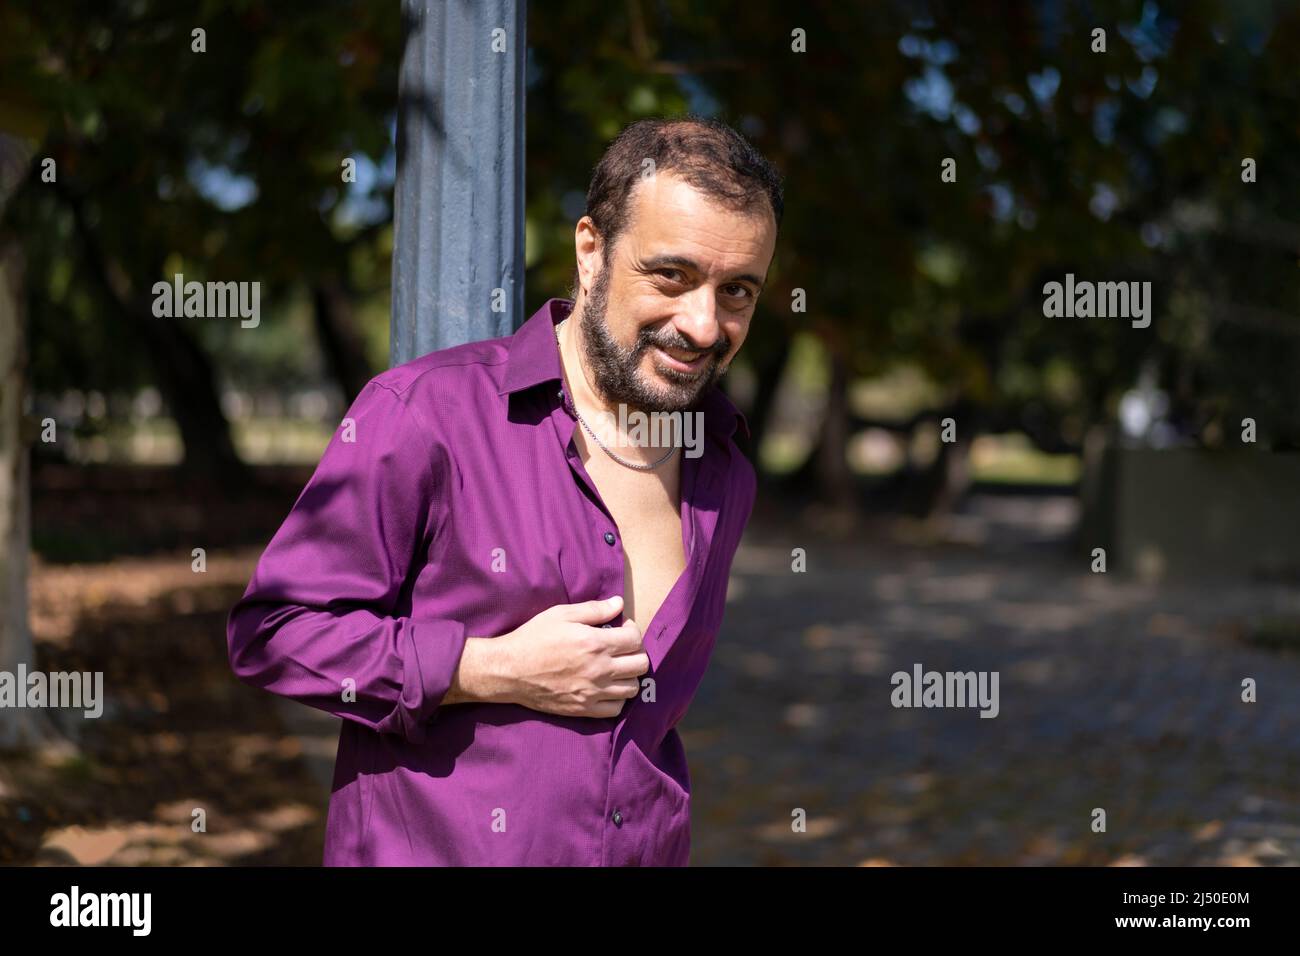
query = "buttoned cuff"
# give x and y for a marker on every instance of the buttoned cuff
(432, 655)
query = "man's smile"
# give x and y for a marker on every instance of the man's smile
(681, 360)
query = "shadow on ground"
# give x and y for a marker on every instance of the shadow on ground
(1112, 694)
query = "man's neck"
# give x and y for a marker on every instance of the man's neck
(585, 396)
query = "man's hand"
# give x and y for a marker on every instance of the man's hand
(562, 661)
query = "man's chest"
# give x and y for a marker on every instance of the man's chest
(646, 508)
(529, 520)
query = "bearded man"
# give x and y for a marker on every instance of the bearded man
(510, 602)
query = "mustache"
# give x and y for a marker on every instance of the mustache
(679, 342)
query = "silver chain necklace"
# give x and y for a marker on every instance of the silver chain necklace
(638, 466)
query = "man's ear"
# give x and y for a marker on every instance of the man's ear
(589, 248)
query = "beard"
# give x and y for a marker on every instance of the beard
(616, 369)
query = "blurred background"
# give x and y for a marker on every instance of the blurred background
(878, 541)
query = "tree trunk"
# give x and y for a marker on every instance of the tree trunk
(951, 477)
(336, 332)
(186, 377)
(835, 480)
(826, 470)
(19, 727)
(939, 489)
(189, 383)
(768, 373)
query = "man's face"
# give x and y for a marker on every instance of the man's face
(670, 305)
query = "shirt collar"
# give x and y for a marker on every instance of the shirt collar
(535, 358)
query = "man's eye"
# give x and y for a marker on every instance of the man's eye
(670, 273)
(740, 290)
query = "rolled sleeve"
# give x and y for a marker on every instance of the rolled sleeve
(433, 655)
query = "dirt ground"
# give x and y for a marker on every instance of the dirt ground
(1113, 694)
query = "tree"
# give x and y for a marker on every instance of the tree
(22, 726)
(1122, 166)
(263, 157)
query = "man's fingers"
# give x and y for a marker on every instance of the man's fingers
(624, 639)
(593, 612)
(606, 708)
(631, 665)
(620, 690)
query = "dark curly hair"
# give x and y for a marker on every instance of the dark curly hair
(705, 152)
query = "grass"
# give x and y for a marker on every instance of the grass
(1275, 634)
(258, 441)
(995, 459)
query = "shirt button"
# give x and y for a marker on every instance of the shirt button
(609, 537)
(617, 818)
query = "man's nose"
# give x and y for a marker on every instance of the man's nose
(698, 320)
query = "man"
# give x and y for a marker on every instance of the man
(510, 601)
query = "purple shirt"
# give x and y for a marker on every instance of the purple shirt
(456, 504)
